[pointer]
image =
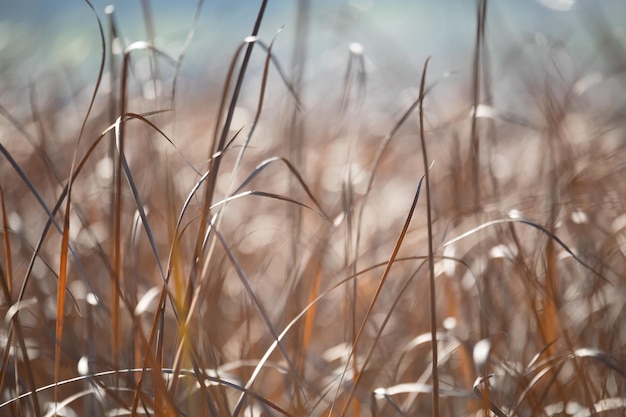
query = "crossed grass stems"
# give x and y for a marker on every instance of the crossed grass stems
(181, 366)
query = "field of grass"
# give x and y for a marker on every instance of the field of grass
(267, 243)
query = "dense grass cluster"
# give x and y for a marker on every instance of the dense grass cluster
(232, 249)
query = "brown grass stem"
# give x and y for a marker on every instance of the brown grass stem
(431, 256)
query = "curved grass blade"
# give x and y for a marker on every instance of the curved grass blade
(15, 328)
(370, 308)
(266, 318)
(270, 195)
(310, 305)
(537, 226)
(167, 371)
(218, 145)
(259, 109)
(546, 367)
(65, 240)
(264, 164)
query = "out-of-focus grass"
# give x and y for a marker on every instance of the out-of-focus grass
(239, 248)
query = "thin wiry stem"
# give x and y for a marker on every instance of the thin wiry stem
(431, 257)
(476, 85)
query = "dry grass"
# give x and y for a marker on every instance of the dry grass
(243, 252)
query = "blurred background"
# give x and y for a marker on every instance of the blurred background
(397, 36)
